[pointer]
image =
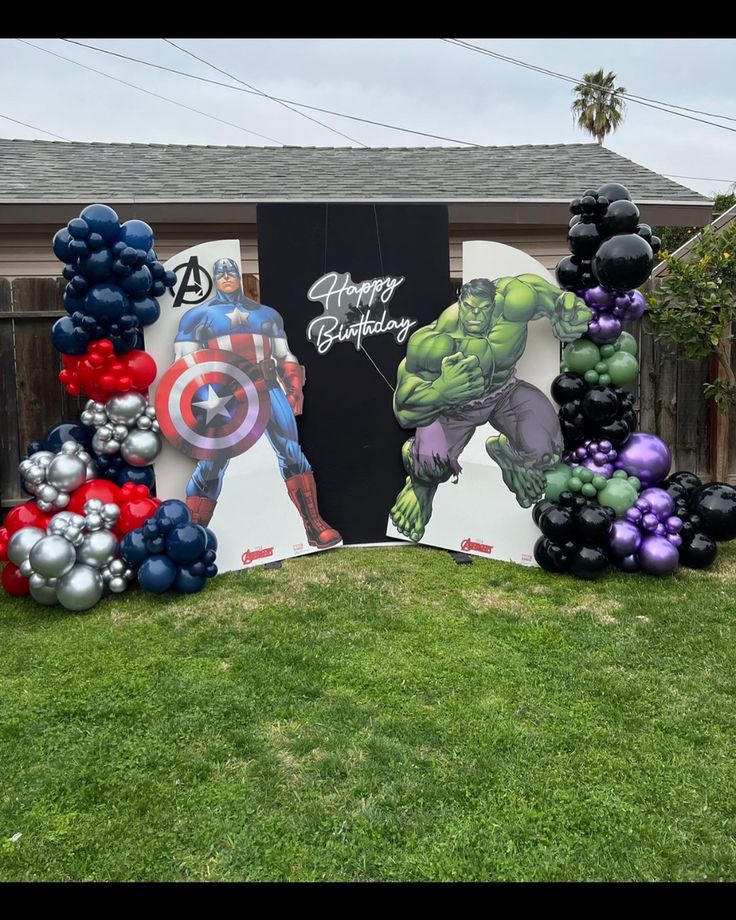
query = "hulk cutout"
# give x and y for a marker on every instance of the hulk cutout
(459, 373)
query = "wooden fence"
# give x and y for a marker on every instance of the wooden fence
(670, 393)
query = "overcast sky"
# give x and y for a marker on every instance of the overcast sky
(424, 84)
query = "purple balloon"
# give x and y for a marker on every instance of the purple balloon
(661, 530)
(624, 538)
(657, 555)
(675, 539)
(629, 563)
(650, 521)
(623, 301)
(598, 297)
(662, 504)
(637, 307)
(633, 515)
(646, 457)
(605, 330)
(673, 524)
(603, 469)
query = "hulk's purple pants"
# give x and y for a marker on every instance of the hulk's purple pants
(516, 409)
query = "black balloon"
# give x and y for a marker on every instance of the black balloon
(715, 505)
(589, 563)
(575, 219)
(698, 552)
(592, 526)
(617, 432)
(689, 481)
(621, 217)
(600, 405)
(557, 524)
(567, 387)
(539, 509)
(584, 239)
(623, 262)
(674, 489)
(568, 272)
(645, 232)
(613, 191)
(546, 559)
(575, 206)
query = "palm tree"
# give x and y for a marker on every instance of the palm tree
(598, 106)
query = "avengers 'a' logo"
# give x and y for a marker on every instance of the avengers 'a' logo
(194, 283)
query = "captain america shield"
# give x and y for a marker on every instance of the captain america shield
(212, 404)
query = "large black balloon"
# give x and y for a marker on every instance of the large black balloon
(623, 262)
(699, 552)
(589, 563)
(557, 524)
(613, 191)
(715, 505)
(592, 526)
(617, 432)
(539, 509)
(621, 217)
(567, 387)
(568, 272)
(548, 555)
(674, 489)
(584, 238)
(600, 405)
(687, 480)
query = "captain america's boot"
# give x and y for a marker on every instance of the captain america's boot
(303, 492)
(201, 509)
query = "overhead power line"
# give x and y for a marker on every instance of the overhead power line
(638, 100)
(699, 178)
(301, 105)
(34, 128)
(264, 94)
(148, 92)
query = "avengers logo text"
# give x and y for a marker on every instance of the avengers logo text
(476, 547)
(250, 555)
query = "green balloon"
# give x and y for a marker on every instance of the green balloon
(620, 474)
(584, 474)
(557, 479)
(619, 495)
(581, 355)
(600, 482)
(607, 351)
(604, 380)
(591, 378)
(628, 343)
(601, 367)
(574, 484)
(635, 482)
(589, 490)
(622, 368)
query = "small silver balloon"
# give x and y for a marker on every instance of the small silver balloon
(120, 432)
(22, 542)
(80, 588)
(117, 584)
(125, 407)
(94, 522)
(97, 549)
(70, 447)
(141, 448)
(117, 567)
(144, 423)
(92, 504)
(92, 471)
(62, 500)
(44, 594)
(47, 493)
(26, 569)
(52, 557)
(110, 513)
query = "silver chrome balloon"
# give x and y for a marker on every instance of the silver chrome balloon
(125, 408)
(98, 549)
(80, 588)
(141, 448)
(44, 594)
(66, 472)
(22, 542)
(26, 569)
(52, 557)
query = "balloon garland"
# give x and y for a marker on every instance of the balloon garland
(92, 482)
(608, 500)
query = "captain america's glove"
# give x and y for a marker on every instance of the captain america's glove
(293, 376)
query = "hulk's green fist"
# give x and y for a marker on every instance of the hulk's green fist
(460, 379)
(570, 317)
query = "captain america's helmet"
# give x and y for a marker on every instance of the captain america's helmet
(224, 267)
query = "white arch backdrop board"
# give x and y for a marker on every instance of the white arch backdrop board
(479, 515)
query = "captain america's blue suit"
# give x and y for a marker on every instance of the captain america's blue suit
(234, 323)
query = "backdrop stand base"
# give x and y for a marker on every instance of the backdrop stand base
(274, 565)
(460, 558)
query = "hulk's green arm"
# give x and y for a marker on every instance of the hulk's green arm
(416, 401)
(527, 297)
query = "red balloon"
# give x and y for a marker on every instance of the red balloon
(102, 489)
(26, 515)
(13, 582)
(135, 513)
(141, 368)
(3, 544)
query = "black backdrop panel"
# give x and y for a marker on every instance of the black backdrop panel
(348, 430)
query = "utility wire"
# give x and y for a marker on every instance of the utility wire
(264, 94)
(34, 128)
(148, 92)
(699, 178)
(639, 100)
(301, 105)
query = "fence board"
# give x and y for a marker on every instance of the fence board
(10, 491)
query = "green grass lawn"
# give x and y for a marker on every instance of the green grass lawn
(376, 714)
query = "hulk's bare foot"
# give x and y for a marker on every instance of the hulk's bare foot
(413, 508)
(527, 485)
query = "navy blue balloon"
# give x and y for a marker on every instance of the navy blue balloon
(78, 228)
(170, 279)
(138, 475)
(121, 270)
(156, 545)
(187, 582)
(62, 239)
(151, 257)
(158, 288)
(79, 284)
(146, 309)
(78, 249)
(210, 571)
(174, 511)
(128, 256)
(95, 242)
(106, 301)
(157, 574)
(186, 543)
(197, 568)
(97, 266)
(133, 547)
(103, 220)
(138, 282)
(69, 272)
(141, 257)
(158, 272)
(137, 233)
(68, 338)
(211, 539)
(67, 431)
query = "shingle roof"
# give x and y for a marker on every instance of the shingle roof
(53, 171)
